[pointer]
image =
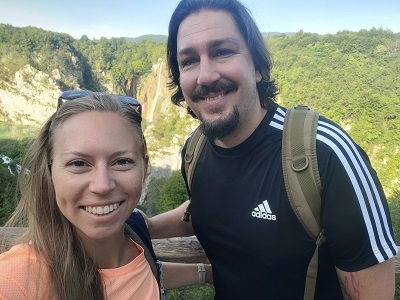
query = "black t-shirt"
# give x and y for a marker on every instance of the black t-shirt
(257, 246)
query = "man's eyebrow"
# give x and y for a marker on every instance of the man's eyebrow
(210, 45)
(219, 42)
(186, 51)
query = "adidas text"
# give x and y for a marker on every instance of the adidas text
(263, 215)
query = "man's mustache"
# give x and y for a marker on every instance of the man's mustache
(216, 87)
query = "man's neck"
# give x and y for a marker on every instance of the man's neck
(243, 131)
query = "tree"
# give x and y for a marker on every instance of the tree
(153, 192)
(394, 206)
(7, 194)
(172, 194)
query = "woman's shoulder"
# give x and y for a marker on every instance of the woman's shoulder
(19, 273)
(18, 257)
(17, 252)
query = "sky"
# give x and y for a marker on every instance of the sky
(133, 18)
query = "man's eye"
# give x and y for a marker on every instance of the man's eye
(188, 62)
(223, 53)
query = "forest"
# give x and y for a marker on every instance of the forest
(89, 60)
(349, 77)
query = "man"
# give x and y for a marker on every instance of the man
(220, 66)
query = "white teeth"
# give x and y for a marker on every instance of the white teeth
(101, 210)
(214, 98)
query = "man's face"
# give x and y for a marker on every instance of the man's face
(217, 74)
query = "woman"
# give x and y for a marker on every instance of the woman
(86, 173)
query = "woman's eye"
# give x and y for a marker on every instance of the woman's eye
(78, 166)
(77, 163)
(124, 163)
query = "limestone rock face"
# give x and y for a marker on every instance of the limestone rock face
(30, 98)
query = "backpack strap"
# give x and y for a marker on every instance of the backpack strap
(195, 145)
(302, 180)
(136, 229)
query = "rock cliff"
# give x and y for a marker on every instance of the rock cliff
(31, 97)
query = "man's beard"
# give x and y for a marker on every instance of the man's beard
(221, 129)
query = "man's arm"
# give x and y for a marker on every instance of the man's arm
(169, 224)
(177, 275)
(376, 282)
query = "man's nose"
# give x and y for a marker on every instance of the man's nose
(208, 72)
(102, 181)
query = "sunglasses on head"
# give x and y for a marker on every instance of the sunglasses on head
(75, 94)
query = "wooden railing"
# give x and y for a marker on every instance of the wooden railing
(186, 249)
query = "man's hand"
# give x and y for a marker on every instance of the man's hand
(169, 224)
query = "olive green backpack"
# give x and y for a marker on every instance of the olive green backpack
(300, 172)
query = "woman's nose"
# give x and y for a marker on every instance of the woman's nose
(102, 181)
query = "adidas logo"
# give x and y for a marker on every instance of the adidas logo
(263, 211)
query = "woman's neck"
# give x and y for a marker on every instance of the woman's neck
(112, 253)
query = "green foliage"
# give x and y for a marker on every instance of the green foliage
(168, 125)
(14, 141)
(153, 193)
(7, 193)
(43, 50)
(123, 62)
(205, 292)
(14, 148)
(397, 291)
(394, 206)
(116, 59)
(158, 38)
(172, 194)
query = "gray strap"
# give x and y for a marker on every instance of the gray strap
(135, 237)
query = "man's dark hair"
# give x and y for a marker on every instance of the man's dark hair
(267, 89)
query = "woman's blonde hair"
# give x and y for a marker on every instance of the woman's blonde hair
(72, 273)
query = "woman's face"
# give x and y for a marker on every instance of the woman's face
(98, 171)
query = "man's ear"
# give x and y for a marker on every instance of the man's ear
(146, 167)
(258, 76)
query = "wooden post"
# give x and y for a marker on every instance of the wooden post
(187, 249)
